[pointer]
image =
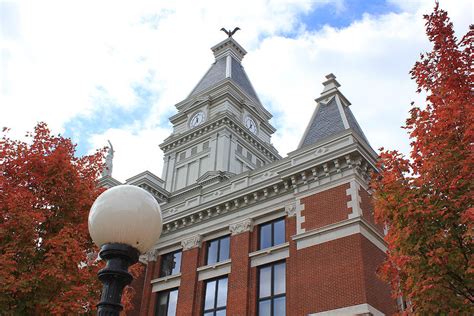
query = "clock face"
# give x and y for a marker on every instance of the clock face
(197, 119)
(250, 124)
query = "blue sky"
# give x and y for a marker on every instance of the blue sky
(95, 74)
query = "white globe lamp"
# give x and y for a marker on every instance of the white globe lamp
(124, 221)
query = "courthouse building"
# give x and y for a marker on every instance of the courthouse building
(248, 232)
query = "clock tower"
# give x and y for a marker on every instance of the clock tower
(221, 128)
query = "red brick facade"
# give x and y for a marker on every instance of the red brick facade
(334, 274)
(326, 207)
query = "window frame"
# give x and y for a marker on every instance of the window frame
(208, 244)
(172, 253)
(168, 293)
(215, 309)
(272, 296)
(272, 232)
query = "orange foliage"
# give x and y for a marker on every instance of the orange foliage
(426, 201)
(47, 260)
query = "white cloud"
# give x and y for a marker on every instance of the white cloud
(55, 55)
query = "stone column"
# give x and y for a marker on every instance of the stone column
(189, 264)
(239, 277)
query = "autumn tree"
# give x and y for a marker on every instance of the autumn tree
(426, 200)
(47, 261)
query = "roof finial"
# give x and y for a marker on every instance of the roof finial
(229, 32)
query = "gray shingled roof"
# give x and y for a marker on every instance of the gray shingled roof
(328, 121)
(217, 73)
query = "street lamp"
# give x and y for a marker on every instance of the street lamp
(124, 221)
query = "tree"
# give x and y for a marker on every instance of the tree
(47, 260)
(426, 201)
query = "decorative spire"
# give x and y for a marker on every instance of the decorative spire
(229, 47)
(330, 84)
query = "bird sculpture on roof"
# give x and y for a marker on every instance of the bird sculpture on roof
(229, 32)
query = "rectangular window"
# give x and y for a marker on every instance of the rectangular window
(205, 145)
(182, 156)
(272, 290)
(258, 163)
(215, 299)
(167, 301)
(170, 263)
(249, 155)
(194, 150)
(218, 250)
(239, 148)
(272, 233)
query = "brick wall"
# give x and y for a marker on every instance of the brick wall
(138, 287)
(186, 295)
(326, 207)
(239, 278)
(378, 292)
(367, 206)
(336, 274)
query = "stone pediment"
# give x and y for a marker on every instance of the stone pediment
(213, 177)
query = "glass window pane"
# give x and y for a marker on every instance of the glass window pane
(265, 282)
(210, 295)
(172, 303)
(279, 280)
(166, 265)
(279, 306)
(212, 252)
(176, 263)
(209, 314)
(162, 304)
(264, 308)
(279, 232)
(224, 249)
(222, 293)
(221, 312)
(265, 236)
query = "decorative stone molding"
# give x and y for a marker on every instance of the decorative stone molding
(191, 242)
(290, 209)
(294, 209)
(314, 175)
(240, 227)
(151, 255)
(355, 199)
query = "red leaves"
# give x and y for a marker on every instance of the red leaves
(427, 201)
(45, 195)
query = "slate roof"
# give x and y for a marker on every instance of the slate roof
(217, 73)
(328, 121)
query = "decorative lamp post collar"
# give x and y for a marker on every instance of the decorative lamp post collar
(124, 221)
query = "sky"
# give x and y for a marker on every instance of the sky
(113, 70)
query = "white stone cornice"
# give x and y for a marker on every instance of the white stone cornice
(240, 227)
(191, 242)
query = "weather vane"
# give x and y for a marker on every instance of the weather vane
(229, 32)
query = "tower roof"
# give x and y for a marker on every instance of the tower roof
(331, 116)
(227, 65)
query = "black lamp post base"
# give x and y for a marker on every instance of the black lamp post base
(115, 276)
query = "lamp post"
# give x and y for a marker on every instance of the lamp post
(124, 221)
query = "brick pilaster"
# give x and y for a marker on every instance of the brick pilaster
(238, 290)
(186, 297)
(146, 294)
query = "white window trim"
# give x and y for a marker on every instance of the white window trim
(269, 255)
(214, 270)
(166, 283)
